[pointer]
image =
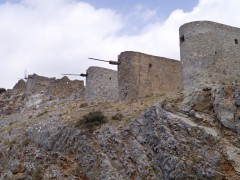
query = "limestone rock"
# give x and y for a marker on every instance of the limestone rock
(232, 153)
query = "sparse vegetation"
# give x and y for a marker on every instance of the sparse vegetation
(92, 119)
(45, 111)
(38, 173)
(26, 141)
(11, 144)
(118, 116)
(164, 101)
(85, 104)
(77, 171)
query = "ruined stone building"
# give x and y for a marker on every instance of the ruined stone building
(20, 87)
(64, 87)
(59, 88)
(140, 75)
(101, 84)
(210, 54)
(37, 84)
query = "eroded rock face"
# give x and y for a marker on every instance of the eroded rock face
(223, 101)
(160, 145)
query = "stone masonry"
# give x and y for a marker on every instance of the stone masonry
(20, 87)
(59, 88)
(210, 54)
(140, 75)
(101, 83)
(38, 84)
(64, 87)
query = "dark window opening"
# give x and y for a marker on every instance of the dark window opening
(236, 41)
(149, 65)
(182, 39)
(110, 78)
(215, 52)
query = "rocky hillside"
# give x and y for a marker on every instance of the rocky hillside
(151, 138)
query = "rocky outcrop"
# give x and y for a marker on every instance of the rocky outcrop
(159, 145)
(222, 101)
(201, 142)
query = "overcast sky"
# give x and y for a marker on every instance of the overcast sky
(51, 37)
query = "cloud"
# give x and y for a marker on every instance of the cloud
(54, 37)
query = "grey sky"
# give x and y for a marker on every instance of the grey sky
(53, 37)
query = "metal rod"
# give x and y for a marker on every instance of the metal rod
(98, 59)
(110, 62)
(71, 74)
(83, 75)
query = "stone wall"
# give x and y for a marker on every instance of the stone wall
(38, 84)
(140, 75)
(59, 88)
(210, 54)
(101, 83)
(20, 87)
(64, 87)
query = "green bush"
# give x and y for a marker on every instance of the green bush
(92, 119)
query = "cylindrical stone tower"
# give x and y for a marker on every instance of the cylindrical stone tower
(101, 84)
(210, 54)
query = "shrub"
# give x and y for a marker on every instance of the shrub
(117, 116)
(2, 90)
(12, 144)
(83, 105)
(38, 173)
(26, 141)
(164, 102)
(92, 119)
(42, 113)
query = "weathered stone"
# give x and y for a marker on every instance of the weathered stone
(224, 107)
(237, 102)
(209, 54)
(141, 75)
(101, 84)
(20, 86)
(8, 175)
(14, 166)
(233, 155)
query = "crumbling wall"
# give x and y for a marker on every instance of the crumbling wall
(37, 84)
(64, 87)
(140, 75)
(101, 83)
(59, 88)
(210, 54)
(20, 86)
